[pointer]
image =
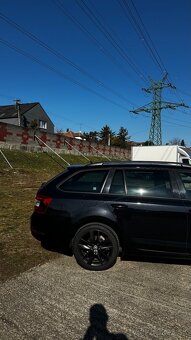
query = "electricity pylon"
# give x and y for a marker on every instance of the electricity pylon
(155, 107)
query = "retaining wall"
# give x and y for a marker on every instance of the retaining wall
(16, 137)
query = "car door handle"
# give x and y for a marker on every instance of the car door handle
(119, 206)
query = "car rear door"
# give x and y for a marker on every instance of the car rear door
(149, 211)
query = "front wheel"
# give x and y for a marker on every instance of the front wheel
(95, 246)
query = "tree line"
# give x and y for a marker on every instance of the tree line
(108, 137)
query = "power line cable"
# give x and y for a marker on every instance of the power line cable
(7, 96)
(176, 108)
(185, 93)
(110, 30)
(89, 13)
(140, 32)
(131, 17)
(74, 122)
(185, 126)
(94, 40)
(53, 69)
(178, 120)
(146, 36)
(167, 122)
(185, 113)
(143, 33)
(60, 56)
(176, 93)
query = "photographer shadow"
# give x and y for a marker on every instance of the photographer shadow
(98, 326)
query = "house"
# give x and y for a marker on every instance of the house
(71, 134)
(26, 115)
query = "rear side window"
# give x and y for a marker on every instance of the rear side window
(186, 181)
(148, 183)
(87, 181)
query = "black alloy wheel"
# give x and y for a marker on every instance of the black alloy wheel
(96, 246)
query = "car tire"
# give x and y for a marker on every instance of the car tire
(95, 246)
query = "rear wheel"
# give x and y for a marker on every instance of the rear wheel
(96, 246)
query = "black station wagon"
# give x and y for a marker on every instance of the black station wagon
(101, 211)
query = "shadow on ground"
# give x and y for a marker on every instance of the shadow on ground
(97, 329)
(156, 259)
(55, 246)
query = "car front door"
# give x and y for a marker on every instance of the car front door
(149, 212)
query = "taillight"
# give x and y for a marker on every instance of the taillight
(42, 203)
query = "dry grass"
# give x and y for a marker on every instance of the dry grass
(19, 251)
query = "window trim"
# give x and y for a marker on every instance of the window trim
(111, 179)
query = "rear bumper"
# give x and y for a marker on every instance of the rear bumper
(40, 236)
(45, 227)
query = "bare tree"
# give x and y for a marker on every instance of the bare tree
(175, 141)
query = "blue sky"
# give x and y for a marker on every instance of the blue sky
(110, 80)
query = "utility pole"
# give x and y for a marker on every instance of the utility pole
(17, 105)
(155, 107)
(109, 140)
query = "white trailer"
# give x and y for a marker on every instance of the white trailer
(161, 153)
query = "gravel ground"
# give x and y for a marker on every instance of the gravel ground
(132, 300)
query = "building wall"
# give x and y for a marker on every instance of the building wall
(15, 137)
(37, 113)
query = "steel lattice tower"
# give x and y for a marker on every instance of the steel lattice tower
(155, 107)
(155, 135)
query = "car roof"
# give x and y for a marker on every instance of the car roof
(129, 164)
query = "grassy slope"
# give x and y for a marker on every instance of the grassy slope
(19, 251)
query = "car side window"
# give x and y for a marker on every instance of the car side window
(117, 184)
(148, 183)
(87, 181)
(186, 181)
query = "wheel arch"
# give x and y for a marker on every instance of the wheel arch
(98, 219)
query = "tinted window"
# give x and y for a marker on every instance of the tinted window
(186, 180)
(148, 183)
(117, 185)
(87, 181)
